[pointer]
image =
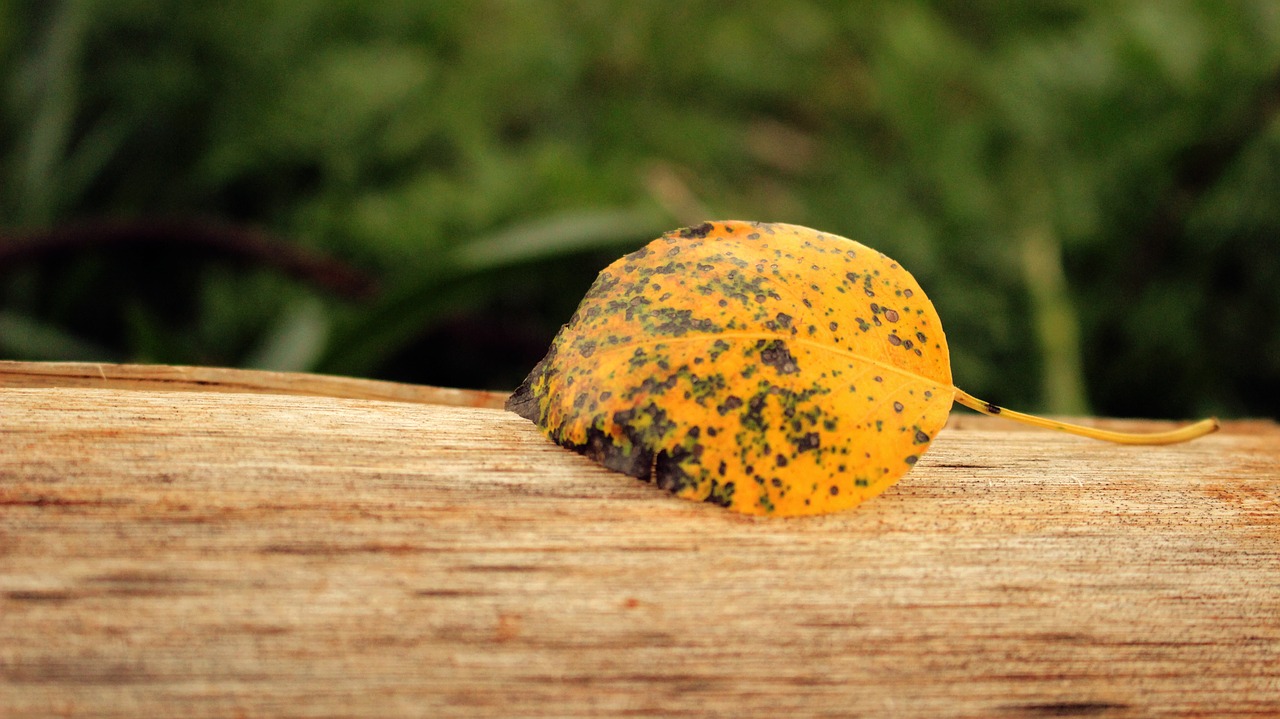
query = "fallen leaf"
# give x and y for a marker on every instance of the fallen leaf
(767, 368)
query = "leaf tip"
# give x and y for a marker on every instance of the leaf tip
(524, 401)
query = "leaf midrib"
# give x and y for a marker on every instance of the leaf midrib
(786, 338)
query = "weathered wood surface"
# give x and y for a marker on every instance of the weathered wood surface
(207, 554)
(176, 378)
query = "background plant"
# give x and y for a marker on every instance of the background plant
(422, 191)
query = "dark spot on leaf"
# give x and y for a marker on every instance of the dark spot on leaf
(753, 418)
(781, 460)
(680, 322)
(777, 356)
(891, 315)
(912, 459)
(601, 448)
(921, 437)
(895, 340)
(992, 408)
(807, 442)
(718, 347)
(700, 231)
(669, 472)
(721, 494)
(730, 403)
(650, 385)
(897, 406)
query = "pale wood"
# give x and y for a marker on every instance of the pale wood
(207, 554)
(178, 378)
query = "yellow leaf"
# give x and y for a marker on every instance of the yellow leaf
(767, 368)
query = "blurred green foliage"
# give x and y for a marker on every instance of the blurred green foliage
(1088, 190)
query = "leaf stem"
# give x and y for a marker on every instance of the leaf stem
(1182, 434)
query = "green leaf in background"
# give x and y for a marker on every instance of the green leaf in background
(296, 342)
(24, 337)
(555, 236)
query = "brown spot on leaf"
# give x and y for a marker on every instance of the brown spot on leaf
(809, 441)
(699, 231)
(777, 356)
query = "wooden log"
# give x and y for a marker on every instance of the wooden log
(221, 554)
(177, 378)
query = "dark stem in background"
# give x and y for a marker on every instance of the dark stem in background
(204, 235)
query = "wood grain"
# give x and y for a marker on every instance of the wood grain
(218, 554)
(178, 378)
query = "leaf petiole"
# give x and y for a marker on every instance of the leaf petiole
(1182, 434)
